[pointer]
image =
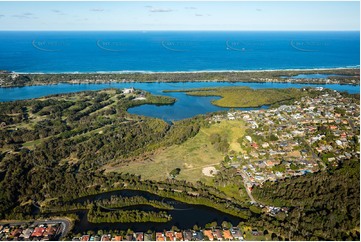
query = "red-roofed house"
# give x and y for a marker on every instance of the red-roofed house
(159, 236)
(85, 238)
(208, 233)
(227, 234)
(50, 231)
(254, 145)
(16, 232)
(218, 234)
(38, 232)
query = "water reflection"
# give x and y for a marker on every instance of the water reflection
(184, 216)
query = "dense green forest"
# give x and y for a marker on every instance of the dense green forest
(324, 206)
(55, 146)
(53, 151)
(235, 97)
(352, 76)
(112, 203)
(96, 215)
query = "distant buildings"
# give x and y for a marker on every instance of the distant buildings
(128, 90)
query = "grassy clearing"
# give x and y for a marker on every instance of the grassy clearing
(250, 237)
(31, 144)
(243, 97)
(238, 192)
(190, 157)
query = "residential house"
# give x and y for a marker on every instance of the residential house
(178, 236)
(139, 236)
(27, 233)
(38, 232)
(50, 231)
(105, 237)
(197, 236)
(148, 237)
(227, 234)
(128, 90)
(117, 238)
(187, 235)
(236, 233)
(159, 236)
(255, 232)
(170, 235)
(16, 232)
(85, 238)
(129, 237)
(208, 233)
(217, 233)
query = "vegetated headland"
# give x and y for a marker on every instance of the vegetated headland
(331, 76)
(244, 97)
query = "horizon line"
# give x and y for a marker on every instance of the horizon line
(356, 67)
(173, 30)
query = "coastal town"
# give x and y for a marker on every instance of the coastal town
(313, 134)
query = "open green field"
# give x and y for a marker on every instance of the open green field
(243, 97)
(191, 156)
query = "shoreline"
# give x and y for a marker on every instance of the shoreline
(151, 82)
(181, 72)
(342, 76)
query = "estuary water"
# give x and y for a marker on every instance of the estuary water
(184, 216)
(184, 107)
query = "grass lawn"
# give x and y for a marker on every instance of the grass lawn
(31, 144)
(237, 192)
(250, 237)
(191, 156)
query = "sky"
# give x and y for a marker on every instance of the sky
(180, 16)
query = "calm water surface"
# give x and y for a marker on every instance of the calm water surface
(184, 216)
(313, 76)
(185, 106)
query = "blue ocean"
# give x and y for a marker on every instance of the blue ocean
(171, 51)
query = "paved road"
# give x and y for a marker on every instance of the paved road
(350, 121)
(65, 224)
(246, 180)
(314, 155)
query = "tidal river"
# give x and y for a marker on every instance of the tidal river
(184, 216)
(185, 106)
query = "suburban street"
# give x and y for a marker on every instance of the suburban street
(65, 224)
(246, 180)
